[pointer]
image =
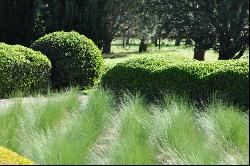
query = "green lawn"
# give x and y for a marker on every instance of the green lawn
(120, 54)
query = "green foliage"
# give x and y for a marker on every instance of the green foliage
(18, 21)
(39, 127)
(188, 136)
(232, 81)
(176, 131)
(76, 61)
(155, 76)
(99, 131)
(10, 125)
(230, 127)
(231, 21)
(22, 70)
(132, 146)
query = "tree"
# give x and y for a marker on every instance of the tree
(117, 16)
(219, 24)
(231, 21)
(191, 19)
(70, 15)
(186, 19)
(18, 20)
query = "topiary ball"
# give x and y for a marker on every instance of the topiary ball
(23, 71)
(75, 59)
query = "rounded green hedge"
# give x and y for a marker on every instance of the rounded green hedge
(232, 82)
(22, 70)
(76, 60)
(156, 76)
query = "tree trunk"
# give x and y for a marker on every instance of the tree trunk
(107, 46)
(127, 41)
(189, 42)
(159, 43)
(241, 53)
(143, 46)
(199, 54)
(178, 42)
(123, 42)
(226, 55)
(160, 39)
(154, 40)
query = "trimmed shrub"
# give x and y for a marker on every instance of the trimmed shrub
(22, 70)
(232, 82)
(76, 60)
(8, 157)
(157, 76)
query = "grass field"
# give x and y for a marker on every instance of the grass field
(120, 54)
(65, 129)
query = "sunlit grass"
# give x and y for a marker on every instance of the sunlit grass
(10, 125)
(71, 140)
(228, 127)
(60, 129)
(132, 145)
(120, 54)
(177, 134)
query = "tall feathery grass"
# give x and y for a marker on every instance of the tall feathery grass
(132, 145)
(10, 124)
(69, 142)
(64, 129)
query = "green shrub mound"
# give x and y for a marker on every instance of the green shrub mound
(76, 60)
(155, 76)
(232, 82)
(22, 70)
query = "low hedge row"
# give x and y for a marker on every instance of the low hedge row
(232, 81)
(8, 157)
(155, 76)
(22, 70)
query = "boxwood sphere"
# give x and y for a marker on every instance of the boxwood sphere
(76, 60)
(22, 71)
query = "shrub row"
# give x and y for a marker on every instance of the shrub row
(8, 157)
(155, 76)
(22, 70)
(76, 60)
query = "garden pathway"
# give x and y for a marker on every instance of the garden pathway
(5, 103)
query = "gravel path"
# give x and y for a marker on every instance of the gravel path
(5, 103)
(100, 151)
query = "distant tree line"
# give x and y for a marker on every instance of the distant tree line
(101, 20)
(222, 25)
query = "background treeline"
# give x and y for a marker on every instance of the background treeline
(24, 21)
(222, 25)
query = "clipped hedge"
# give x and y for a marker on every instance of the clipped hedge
(8, 157)
(232, 81)
(159, 75)
(76, 60)
(22, 70)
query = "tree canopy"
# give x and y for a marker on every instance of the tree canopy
(222, 25)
